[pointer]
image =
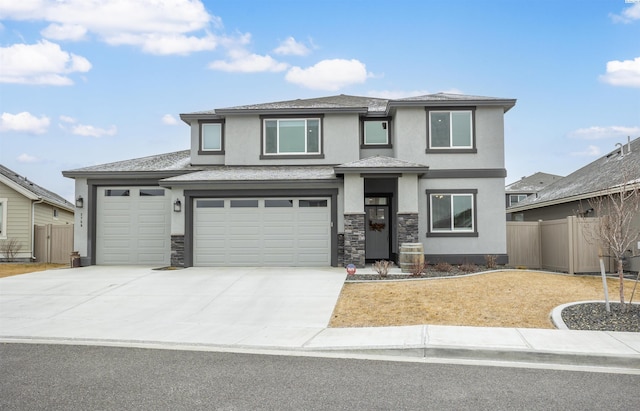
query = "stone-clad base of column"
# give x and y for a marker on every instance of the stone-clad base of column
(177, 251)
(407, 228)
(354, 240)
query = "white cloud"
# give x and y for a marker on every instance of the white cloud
(169, 120)
(92, 131)
(599, 132)
(40, 63)
(24, 122)
(67, 119)
(73, 32)
(290, 47)
(26, 158)
(590, 151)
(623, 73)
(329, 75)
(158, 27)
(244, 62)
(628, 15)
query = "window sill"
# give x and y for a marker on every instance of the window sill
(290, 156)
(451, 150)
(452, 234)
(210, 152)
(365, 146)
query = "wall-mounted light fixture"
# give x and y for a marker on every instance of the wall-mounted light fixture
(79, 202)
(177, 206)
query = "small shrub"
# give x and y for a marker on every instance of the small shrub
(382, 267)
(469, 268)
(491, 261)
(9, 248)
(418, 269)
(443, 266)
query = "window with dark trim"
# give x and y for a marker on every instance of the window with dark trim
(375, 133)
(293, 137)
(451, 130)
(211, 139)
(452, 213)
(516, 198)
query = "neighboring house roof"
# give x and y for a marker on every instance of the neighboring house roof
(592, 180)
(532, 183)
(31, 190)
(353, 104)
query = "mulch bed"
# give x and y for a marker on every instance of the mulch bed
(588, 316)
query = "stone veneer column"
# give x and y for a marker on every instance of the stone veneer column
(177, 250)
(354, 240)
(408, 228)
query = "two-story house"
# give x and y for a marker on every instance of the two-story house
(308, 182)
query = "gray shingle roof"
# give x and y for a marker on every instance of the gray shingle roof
(38, 191)
(256, 173)
(532, 183)
(175, 161)
(347, 103)
(606, 172)
(381, 162)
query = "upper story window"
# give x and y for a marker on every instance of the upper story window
(55, 213)
(376, 133)
(452, 213)
(292, 137)
(451, 130)
(516, 198)
(211, 137)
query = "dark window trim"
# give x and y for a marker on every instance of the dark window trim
(452, 150)
(473, 233)
(293, 156)
(389, 134)
(201, 151)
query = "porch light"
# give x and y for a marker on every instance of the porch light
(79, 202)
(177, 206)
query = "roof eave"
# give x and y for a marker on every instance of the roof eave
(290, 110)
(506, 104)
(161, 174)
(20, 189)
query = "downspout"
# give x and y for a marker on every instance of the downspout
(33, 226)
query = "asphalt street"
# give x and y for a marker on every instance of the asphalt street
(68, 377)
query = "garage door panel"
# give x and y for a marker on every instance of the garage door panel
(278, 232)
(133, 229)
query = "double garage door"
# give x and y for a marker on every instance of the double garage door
(133, 226)
(262, 232)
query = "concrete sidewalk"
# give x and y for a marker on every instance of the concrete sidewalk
(264, 309)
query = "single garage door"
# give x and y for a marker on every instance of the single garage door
(262, 232)
(133, 226)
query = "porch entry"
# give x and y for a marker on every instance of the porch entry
(377, 228)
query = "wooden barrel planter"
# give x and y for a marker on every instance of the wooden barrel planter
(411, 256)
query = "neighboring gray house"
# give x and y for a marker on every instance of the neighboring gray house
(523, 188)
(314, 182)
(23, 205)
(569, 196)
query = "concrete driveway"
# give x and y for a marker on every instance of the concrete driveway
(268, 307)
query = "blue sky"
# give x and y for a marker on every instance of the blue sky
(86, 82)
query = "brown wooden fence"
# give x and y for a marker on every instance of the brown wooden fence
(53, 243)
(558, 245)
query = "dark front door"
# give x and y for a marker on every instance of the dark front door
(377, 228)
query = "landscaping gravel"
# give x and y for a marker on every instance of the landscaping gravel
(594, 317)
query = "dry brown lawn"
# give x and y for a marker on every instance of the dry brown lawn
(522, 299)
(10, 269)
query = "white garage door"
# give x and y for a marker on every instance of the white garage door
(133, 226)
(262, 232)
